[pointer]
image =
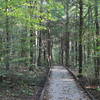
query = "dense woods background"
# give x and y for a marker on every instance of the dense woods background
(35, 34)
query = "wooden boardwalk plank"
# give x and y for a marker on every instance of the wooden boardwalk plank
(62, 86)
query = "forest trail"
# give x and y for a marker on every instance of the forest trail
(62, 86)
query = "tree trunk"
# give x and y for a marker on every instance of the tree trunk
(31, 50)
(97, 69)
(76, 50)
(7, 38)
(67, 36)
(40, 49)
(62, 51)
(80, 36)
(49, 48)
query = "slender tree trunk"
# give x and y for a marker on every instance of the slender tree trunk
(36, 50)
(67, 36)
(89, 26)
(40, 36)
(44, 54)
(76, 50)
(40, 49)
(31, 50)
(7, 37)
(49, 49)
(31, 39)
(44, 46)
(97, 69)
(23, 40)
(80, 36)
(76, 42)
(62, 51)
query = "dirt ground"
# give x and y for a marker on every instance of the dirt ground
(17, 98)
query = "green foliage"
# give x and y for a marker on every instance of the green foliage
(98, 89)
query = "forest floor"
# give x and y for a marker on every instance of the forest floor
(62, 86)
(22, 85)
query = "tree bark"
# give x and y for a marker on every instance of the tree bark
(7, 38)
(67, 36)
(97, 69)
(31, 50)
(40, 49)
(80, 36)
(62, 51)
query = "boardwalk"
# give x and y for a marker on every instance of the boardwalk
(62, 86)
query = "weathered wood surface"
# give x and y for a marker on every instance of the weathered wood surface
(62, 86)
